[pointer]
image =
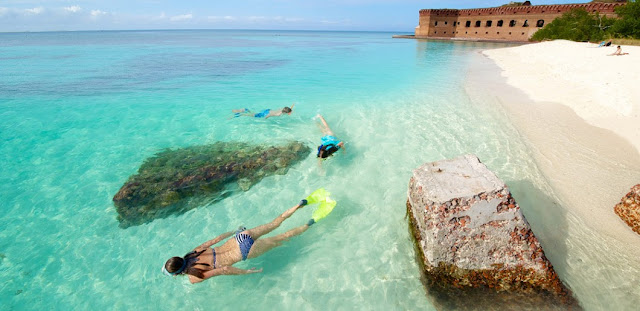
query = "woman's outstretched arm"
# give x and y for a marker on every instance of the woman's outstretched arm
(216, 240)
(228, 270)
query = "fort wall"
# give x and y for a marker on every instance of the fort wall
(500, 23)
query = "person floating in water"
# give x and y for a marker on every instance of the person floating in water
(267, 113)
(205, 261)
(329, 143)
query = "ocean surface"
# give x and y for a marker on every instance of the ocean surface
(81, 111)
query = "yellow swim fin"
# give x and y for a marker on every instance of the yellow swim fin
(324, 209)
(317, 196)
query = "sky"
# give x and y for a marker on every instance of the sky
(347, 15)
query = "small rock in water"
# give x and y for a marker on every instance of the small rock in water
(244, 184)
(629, 209)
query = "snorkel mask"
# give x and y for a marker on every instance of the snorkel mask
(326, 150)
(184, 264)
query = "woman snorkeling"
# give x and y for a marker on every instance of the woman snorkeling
(205, 261)
(329, 143)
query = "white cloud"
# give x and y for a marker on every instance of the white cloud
(96, 13)
(73, 9)
(257, 18)
(179, 18)
(34, 11)
(222, 18)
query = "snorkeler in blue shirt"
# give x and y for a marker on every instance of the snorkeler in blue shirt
(329, 143)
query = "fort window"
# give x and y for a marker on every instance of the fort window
(478, 23)
(512, 23)
(468, 24)
(436, 23)
(540, 23)
(500, 22)
(526, 23)
(445, 23)
(488, 24)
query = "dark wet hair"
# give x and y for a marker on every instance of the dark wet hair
(325, 151)
(286, 110)
(174, 264)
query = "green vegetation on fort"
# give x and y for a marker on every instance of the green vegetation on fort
(580, 25)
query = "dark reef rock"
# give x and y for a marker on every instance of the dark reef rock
(629, 209)
(473, 241)
(174, 181)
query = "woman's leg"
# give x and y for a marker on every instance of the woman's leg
(259, 231)
(326, 129)
(262, 246)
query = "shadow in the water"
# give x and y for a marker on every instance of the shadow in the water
(548, 222)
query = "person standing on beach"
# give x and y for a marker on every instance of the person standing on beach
(329, 143)
(267, 113)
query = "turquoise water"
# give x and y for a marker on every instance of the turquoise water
(82, 110)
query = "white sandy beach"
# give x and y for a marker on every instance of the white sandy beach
(601, 89)
(579, 110)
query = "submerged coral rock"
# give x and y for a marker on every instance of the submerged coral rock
(470, 234)
(629, 208)
(174, 181)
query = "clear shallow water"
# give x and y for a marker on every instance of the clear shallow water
(81, 111)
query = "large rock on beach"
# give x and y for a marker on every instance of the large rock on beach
(473, 241)
(174, 181)
(629, 208)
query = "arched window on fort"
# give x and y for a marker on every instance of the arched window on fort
(540, 23)
(500, 22)
(468, 24)
(512, 23)
(526, 23)
(436, 24)
(478, 23)
(488, 24)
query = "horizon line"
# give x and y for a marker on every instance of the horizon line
(193, 29)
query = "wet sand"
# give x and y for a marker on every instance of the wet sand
(585, 142)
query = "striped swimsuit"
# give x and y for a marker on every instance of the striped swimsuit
(245, 241)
